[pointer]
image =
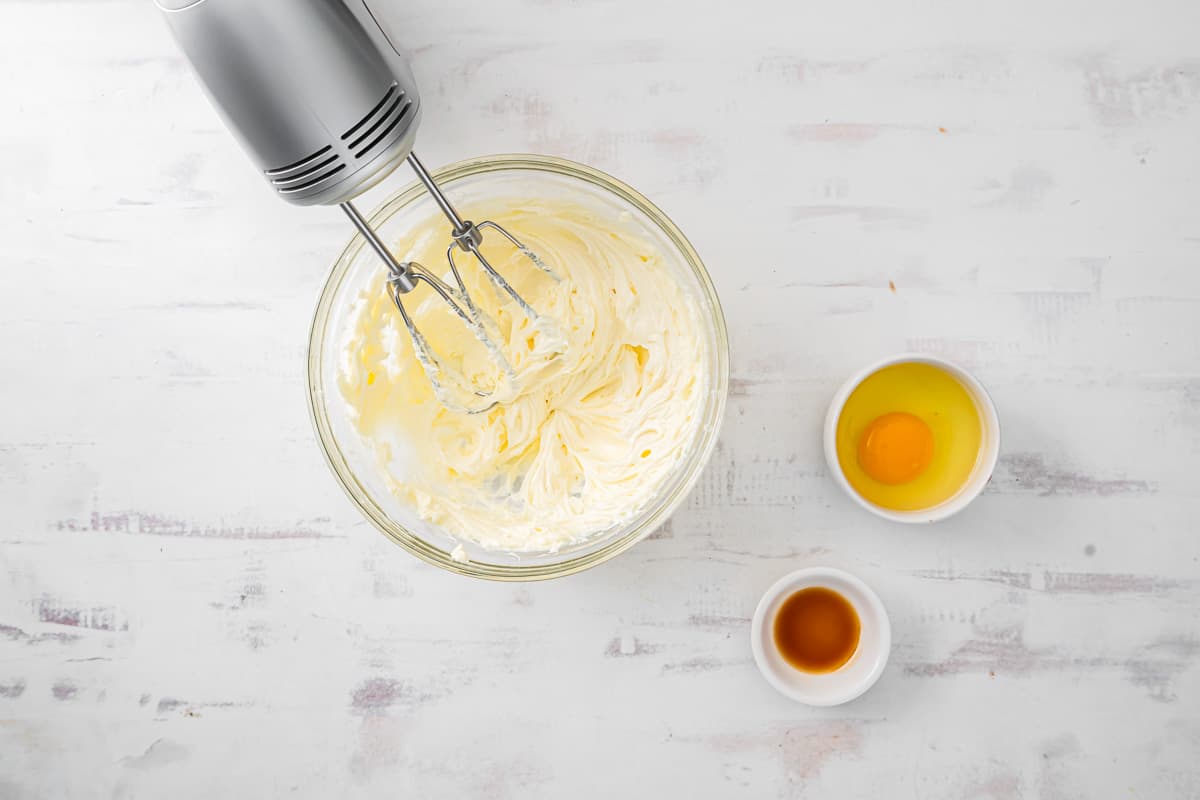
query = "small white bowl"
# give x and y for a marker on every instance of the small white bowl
(984, 466)
(852, 678)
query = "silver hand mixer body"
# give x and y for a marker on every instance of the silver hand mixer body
(326, 106)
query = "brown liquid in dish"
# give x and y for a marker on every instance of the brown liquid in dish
(816, 630)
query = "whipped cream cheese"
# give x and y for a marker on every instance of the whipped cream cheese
(607, 394)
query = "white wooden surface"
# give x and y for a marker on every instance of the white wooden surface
(189, 607)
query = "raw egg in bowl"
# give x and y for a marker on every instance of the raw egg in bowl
(912, 438)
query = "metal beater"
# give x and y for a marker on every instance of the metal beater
(326, 106)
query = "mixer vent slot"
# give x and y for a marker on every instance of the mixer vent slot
(370, 114)
(380, 123)
(307, 172)
(299, 187)
(298, 168)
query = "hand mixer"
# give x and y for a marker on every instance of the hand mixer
(327, 107)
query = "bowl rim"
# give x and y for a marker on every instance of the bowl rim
(984, 466)
(770, 665)
(335, 459)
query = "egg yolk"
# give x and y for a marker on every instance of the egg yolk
(895, 448)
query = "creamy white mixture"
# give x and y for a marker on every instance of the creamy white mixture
(606, 400)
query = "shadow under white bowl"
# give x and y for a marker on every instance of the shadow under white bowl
(854, 677)
(989, 446)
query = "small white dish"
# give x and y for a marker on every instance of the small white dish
(852, 678)
(989, 447)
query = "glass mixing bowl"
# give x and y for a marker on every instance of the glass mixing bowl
(353, 462)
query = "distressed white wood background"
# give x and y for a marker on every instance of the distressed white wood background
(189, 607)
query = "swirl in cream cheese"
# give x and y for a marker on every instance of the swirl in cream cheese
(606, 399)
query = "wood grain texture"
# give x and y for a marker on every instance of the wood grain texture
(189, 607)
